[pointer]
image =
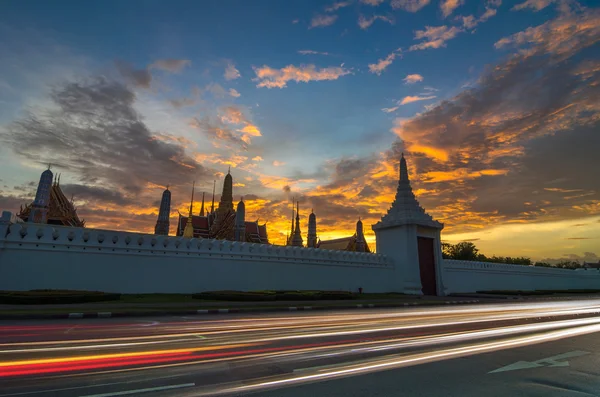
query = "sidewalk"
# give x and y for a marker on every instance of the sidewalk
(117, 309)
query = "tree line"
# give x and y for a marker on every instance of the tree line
(467, 251)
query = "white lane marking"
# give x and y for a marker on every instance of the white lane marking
(202, 311)
(70, 329)
(122, 393)
(544, 362)
(75, 315)
(151, 324)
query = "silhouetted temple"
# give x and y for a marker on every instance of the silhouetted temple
(355, 242)
(50, 204)
(224, 222)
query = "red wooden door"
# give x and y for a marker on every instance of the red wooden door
(427, 266)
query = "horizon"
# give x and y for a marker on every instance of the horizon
(315, 100)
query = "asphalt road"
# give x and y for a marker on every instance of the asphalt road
(515, 349)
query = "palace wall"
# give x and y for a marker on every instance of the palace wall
(470, 276)
(36, 256)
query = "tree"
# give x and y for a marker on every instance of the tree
(447, 250)
(465, 251)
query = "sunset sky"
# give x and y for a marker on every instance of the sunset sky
(496, 105)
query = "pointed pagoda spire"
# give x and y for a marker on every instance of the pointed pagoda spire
(297, 237)
(188, 232)
(58, 180)
(212, 206)
(403, 171)
(289, 241)
(164, 212)
(311, 237)
(202, 207)
(405, 209)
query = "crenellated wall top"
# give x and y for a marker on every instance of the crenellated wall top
(62, 237)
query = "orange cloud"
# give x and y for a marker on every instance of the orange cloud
(383, 63)
(278, 78)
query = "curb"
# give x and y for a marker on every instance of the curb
(214, 311)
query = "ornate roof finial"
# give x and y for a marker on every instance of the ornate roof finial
(192, 202)
(49, 165)
(229, 170)
(202, 207)
(189, 228)
(212, 206)
(58, 182)
(403, 170)
(167, 187)
(242, 200)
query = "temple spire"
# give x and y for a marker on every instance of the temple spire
(164, 212)
(202, 207)
(403, 170)
(289, 241)
(212, 206)
(311, 237)
(188, 232)
(297, 237)
(405, 209)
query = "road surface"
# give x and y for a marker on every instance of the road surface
(517, 349)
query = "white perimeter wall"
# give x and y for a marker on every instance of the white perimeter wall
(34, 256)
(468, 276)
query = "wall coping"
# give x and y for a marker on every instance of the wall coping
(65, 238)
(506, 267)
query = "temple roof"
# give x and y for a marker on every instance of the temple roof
(341, 244)
(254, 231)
(405, 209)
(61, 210)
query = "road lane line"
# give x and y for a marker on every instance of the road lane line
(160, 388)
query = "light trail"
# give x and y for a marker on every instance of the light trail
(317, 346)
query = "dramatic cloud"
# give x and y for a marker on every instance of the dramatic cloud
(409, 5)
(336, 6)
(536, 5)
(95, 135)
(448, 6)
(494, 150)
(221, 135)
(231, 73)
(373, 3)
(170, 65)
(311, 52)
(411, 99)
(434, 37)
(366, 22)
(560, 38)
(137, 77)
(278, 78)
(383, 63)
(319, 21)
(412, 78)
